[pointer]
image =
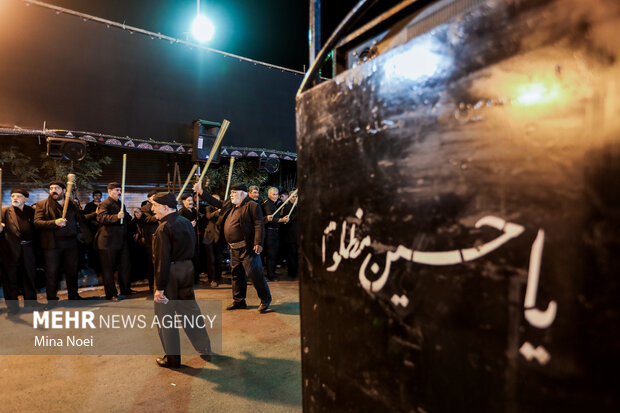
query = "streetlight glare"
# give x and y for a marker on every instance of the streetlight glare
(202, 28)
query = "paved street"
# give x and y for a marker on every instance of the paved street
(259, 369)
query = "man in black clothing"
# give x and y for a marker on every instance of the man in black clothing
(147, 223)
(191, 214)
(90, 215)
(212, 245)
(174, 245)
(17, 249)
(272, 226)
(241, 222)
(111, 241)
(59, 240)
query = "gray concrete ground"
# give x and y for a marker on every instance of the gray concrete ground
(259, 369)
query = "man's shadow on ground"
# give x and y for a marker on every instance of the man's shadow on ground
(254, 378)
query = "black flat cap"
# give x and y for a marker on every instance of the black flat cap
(114, 185)
(20, 191)
(239, 187)
(166, 198)
(59, 183)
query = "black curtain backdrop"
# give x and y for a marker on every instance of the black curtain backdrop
(82, 75)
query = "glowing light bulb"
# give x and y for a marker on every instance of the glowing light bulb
(202, 28)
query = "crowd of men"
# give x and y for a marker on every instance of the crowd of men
(65, 239)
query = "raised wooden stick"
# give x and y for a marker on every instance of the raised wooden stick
(291, 211)
(123, 185)
(230, 169)
(218, 140)
(189, 177)
(70, 182)
(285, 202)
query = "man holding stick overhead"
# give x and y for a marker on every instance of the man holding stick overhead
(59, 237)
(111, 241)
(241, 222)
(272, 224)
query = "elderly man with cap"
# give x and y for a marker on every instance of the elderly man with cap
(18, 253)
(241, 221)
(173, 249)
(272, 238)
(59, 240)
(147, 223)
(111, 241)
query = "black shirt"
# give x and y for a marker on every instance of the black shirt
(268, 209)
(26, 224)
(173, 241)
(232, 226)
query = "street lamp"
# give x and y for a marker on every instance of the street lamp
(202, 28)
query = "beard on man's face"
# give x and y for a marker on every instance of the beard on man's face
(55, 196)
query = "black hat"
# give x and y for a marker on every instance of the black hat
(59, 183)
(239, 187)
(166, 198)
(152, 192)
(20, 191)
(114, 185)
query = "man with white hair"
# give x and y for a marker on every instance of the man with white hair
(241, 222)
(18, 250)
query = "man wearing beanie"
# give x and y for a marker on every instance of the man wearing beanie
(148, 225)
(59, 240)
(173, 249)
(241, 222)
(17, 249)
(111, 241)
(191, 214)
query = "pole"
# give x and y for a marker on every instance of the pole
(70, 182)
(187, 181)
(123, 185)
(230, 169)
(218, 140)
(285, 202)
(293, 208)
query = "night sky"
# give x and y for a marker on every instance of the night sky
(272, 31)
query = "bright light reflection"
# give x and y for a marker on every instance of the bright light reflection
(537, 93)
(418, 62)
(202, 28)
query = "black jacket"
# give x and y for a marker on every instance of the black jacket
(10, 237)
(111, 235)
(147, 224)
(48, 211)
(251, 219)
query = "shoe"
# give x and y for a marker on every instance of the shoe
(130, 292)
(262, 308)
(237, 305)
(213, 284)
(76, 297)
(170, 362)
(121, 297)
(205, 357)
(114, 299)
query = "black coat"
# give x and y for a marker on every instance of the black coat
(46, 212)
(10, 237)
(251, 219)
(111, 235)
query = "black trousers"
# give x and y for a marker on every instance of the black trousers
(65, 258)
(292, 259)
(11, 277)
(112, 260)
(272, 243)
(150, 271)
(213, 258)
(180, 292)
(244, 262)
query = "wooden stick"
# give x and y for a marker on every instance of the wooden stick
(230, 169)
(71, 181)
(123, 185)
(284, 203)
(291, 211)
(189, 177)
(218, 140)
